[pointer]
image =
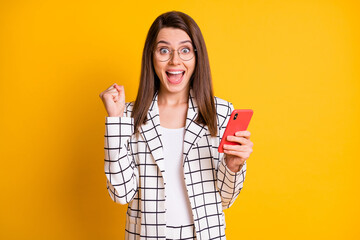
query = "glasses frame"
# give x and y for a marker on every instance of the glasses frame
(172, 52)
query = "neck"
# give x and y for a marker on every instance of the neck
(172, 99)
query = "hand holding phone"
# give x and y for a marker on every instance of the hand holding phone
(239, 121)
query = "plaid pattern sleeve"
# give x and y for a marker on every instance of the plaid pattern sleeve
(120, 169)
(229, 183)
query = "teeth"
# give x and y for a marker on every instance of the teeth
(178, 72)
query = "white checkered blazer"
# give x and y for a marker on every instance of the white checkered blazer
(134, 168)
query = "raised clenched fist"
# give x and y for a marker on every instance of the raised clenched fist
(114, 100)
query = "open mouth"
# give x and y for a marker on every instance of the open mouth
(175, 77)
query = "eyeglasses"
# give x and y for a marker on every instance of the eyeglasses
(163, 54)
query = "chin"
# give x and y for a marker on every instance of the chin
(176, 88)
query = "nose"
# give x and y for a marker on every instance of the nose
(175, 58)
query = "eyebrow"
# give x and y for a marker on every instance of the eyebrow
(162, 41)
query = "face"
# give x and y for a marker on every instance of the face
(175, 73)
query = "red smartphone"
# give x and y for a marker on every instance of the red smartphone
(239, 121)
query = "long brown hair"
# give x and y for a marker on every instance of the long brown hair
(200, 81)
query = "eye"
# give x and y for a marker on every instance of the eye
(164, 51)
(185, 50)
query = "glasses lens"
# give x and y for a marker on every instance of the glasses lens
(162, 54)
(186, 53)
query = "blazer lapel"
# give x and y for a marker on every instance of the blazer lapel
(151, 134)
(193, 131)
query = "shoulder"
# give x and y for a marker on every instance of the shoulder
(222, 106)
(223, 110)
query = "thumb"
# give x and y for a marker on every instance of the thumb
(121, 91)
(119, 88)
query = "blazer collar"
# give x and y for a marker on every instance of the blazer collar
(151, 133)
(193, 131)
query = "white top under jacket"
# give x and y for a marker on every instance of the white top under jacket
(135, 172)
(178, 208)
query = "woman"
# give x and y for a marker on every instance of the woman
(161, 153)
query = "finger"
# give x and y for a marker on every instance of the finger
(239, 148)
(119, 88)
(107, 93)
(112, 92)
(121, 91)
(241, 155)
(240, 140)
(112, 86)
(245, 134)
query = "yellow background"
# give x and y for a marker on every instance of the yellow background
(296, 63)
